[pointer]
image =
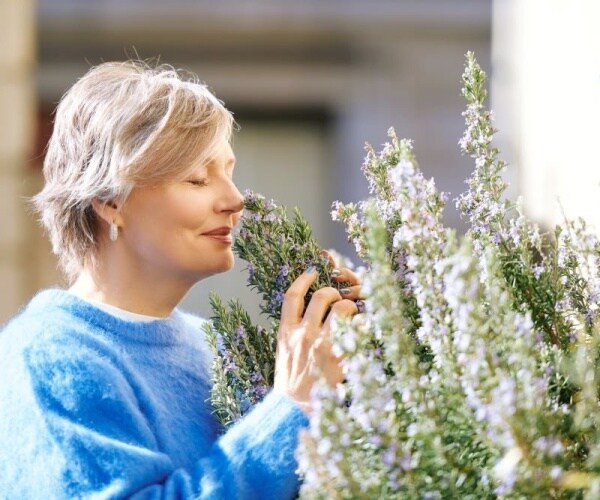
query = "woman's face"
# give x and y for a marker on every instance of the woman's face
(183, 229)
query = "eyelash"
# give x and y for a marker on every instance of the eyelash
(198, 182)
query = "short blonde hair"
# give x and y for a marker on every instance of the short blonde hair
(123, 124)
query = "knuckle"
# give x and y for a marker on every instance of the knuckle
(323, 347)
(318, 344)
(327, 293)
(306, 342)
(345, 306)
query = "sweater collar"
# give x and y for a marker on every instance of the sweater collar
(159, 331)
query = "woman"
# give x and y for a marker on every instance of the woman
(105, 385)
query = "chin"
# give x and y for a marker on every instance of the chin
(218, 268)
(225, 268)
(228, 263)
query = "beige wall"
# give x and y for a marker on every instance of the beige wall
(17, 110)
(546, 57)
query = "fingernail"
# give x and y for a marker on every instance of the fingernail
(345, 291)
(335, 273)
(310, 269)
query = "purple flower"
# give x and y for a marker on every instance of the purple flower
(406, 462)
(280, 280)
(251, 271)
(260, 391)
(269, 204)
(275, 301)
(250, 196)
(228, 363)
(589, 317)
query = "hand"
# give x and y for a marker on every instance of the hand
(344, 275)
(304, 348)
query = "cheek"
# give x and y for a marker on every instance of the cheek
(153, 228)
(194, 216)
(170, 217)
(187, 213)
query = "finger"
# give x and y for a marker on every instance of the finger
(351, 292)
(319, 305)
(343, 309)
(293, 300)
(329, 257)
(341, 274)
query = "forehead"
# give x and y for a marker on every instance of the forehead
(222, 156)
(226, 153)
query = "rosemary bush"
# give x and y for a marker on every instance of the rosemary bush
(278, 248)
(473, 371)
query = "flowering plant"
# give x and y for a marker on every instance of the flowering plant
(278, 249)
(473, 371)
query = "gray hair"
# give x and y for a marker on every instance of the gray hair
(123, 124)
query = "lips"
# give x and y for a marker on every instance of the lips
(222, 234)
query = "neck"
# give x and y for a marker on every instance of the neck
(145, 294)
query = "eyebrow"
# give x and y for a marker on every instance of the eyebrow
(230, 162)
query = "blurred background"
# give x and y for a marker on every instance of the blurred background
(309, 83)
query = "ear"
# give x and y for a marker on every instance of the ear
(108, 211)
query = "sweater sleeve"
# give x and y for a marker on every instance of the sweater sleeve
(88, 435)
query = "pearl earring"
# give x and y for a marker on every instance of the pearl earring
(113, 232)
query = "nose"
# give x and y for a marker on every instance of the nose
(232, 200)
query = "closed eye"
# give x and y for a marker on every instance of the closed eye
(197, 182)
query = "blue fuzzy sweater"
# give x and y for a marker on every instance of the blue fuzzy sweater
(92, 406)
